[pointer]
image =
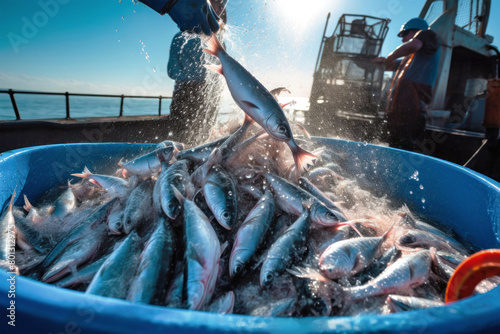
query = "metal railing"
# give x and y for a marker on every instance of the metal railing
(122, 97)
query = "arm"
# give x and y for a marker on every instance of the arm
(190, 15)
(403, 50)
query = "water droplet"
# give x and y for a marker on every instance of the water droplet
(421, 187)
(123, 18)
(423, 200)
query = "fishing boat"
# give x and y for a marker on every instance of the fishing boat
(349, 92)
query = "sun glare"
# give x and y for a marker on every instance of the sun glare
(302, 12)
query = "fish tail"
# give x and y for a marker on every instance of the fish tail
(307, 272)
(215, 68)
(86, 173)
(11, 204)
(303, 159)
(213, 46)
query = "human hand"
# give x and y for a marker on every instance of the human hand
(389, 63)
(195, 16)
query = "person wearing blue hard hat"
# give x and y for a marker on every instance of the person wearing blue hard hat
(197, 16)
(416, 63)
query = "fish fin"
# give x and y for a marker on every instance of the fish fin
(283, 105)
(247, 121)
(11, 204)
(215, 68)
(178, 194)
(351, 224)
(213, 46)
(277, 91)
(195, 254)
(307, 272)
(386, 234)
(304, 131)
(27, 205)
(223, 247)
(85, 174)
(303, 159)
(249, 104)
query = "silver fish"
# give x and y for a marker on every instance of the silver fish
(349, 257)
(424, 239)
(177, 176)
(29, 235)
(154, 266)
(290, 199)
(323, 177)
(251, 233)
(7, 231)
(203, 253)
(256, 101)
(313, 190)
(148, 164)
(169, 143)
(138, 206)
(114, 276)
(285, 250)
(115, 186)
(64, 204)
(115, 219)
(219, 191)
(397, 303)
(84, 275)
(223, 304)
(407, 272)
(174, 294)
(199, 155)
(78, 246)
(279, 308)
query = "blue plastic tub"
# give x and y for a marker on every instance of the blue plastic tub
(464, 200)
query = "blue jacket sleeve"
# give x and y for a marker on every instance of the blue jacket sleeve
(196, 16)
(161, 6)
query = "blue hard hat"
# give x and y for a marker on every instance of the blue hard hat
(413, 24)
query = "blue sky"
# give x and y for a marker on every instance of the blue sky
(113, 46)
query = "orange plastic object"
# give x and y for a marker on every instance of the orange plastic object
(470, 272)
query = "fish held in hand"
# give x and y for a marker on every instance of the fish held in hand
(256, 101)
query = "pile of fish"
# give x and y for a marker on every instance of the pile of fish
(249, 223)
(233, 230)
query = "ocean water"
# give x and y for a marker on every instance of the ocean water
(32, 106)
(54, 106)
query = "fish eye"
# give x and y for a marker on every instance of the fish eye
(282, 129)
(407, 239)
(225, 215)
(330, 215)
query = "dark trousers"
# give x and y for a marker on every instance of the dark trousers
(406, 114)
